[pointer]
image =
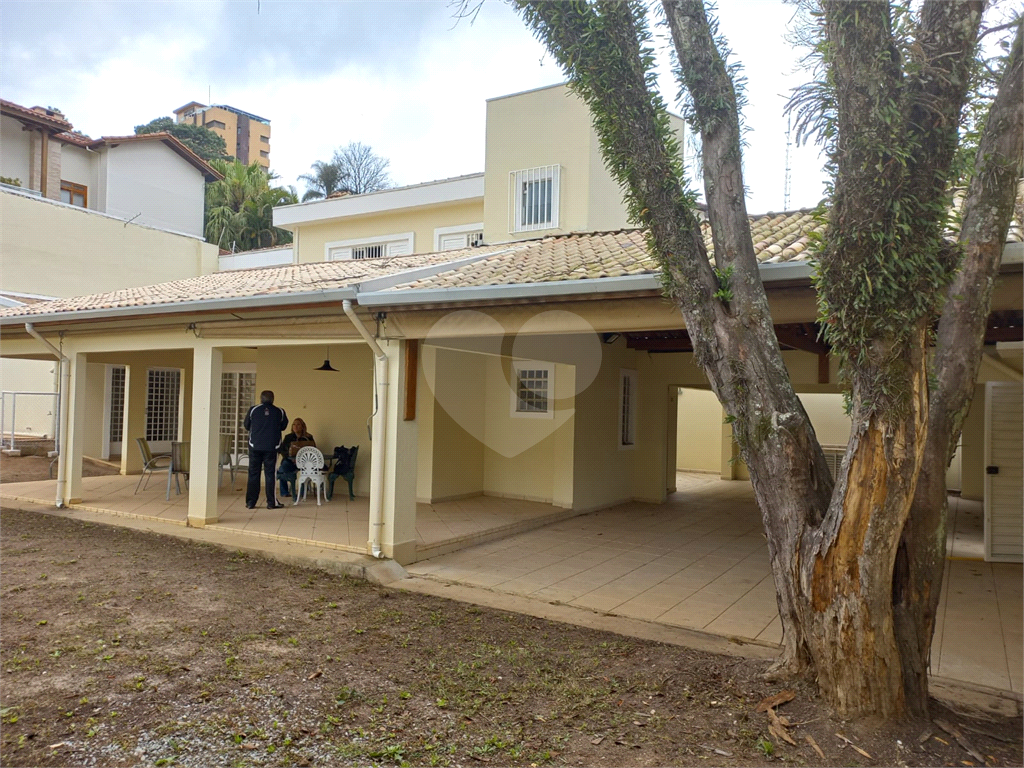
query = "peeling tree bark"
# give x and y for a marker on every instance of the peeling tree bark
(988, 210)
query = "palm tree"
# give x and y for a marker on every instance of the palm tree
(326, 179)
(240, 207)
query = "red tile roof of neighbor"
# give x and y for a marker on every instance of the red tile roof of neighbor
(171, 141)
(34, 115)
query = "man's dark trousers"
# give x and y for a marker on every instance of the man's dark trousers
(268, 461)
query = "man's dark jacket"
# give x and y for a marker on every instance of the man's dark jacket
(265, 423)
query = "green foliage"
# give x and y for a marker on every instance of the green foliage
(201, 140)
(240, 207)
(354, 168)
(10, 180)
(724, 292)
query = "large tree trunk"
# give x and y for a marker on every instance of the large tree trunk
(832, 553)
(987, 212)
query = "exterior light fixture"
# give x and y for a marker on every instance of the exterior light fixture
(327, 363)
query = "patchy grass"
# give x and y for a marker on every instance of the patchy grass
(141, 649)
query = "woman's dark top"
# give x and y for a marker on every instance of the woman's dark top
(290, 438)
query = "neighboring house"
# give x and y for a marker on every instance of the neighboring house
(247, 135)
(545, 369)
(103, 214)
(29, 153)
(152, 179)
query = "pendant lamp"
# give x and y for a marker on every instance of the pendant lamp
(327, 363)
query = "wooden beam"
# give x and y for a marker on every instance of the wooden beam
(412, 357)
(800, 337)
(823, 370)
(661, 345)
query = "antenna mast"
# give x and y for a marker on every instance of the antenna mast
(786, 183)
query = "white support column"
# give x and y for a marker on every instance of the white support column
(74, 439)
(398, 537)
(134, 425)
(208, 362)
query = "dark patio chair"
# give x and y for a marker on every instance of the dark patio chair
(179, 466)
(344, 466)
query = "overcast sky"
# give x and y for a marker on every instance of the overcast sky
(402, 76)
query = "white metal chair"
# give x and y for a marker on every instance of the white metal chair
(310, 464)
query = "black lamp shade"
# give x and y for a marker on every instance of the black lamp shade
(326, 367)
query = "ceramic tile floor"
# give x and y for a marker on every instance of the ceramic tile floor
(700, 561)
(339, 522)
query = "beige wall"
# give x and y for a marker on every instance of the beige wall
(972, 448)
(60, 251)
(699, 433)
(335, 406)
(81, 166)
(830, 422)
(549, 126)
(456, 455)
(312, 239)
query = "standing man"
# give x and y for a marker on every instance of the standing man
(265, 423)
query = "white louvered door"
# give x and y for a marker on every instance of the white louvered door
(1004, 472)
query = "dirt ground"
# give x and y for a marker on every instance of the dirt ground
(126, 648)
(23, 469)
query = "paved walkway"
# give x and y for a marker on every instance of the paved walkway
(700, 562)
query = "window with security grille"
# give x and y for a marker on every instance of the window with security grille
(533, 391)
(368, 252)
(534, 198)
(628, 391)
(163, 388)
(117, 379)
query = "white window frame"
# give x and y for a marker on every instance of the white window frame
(459, 229)
(532, 365)
(396, 244)
(629, 396)
(532, 175)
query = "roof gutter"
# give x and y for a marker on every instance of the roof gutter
(201, 305)
(65, 380)
(380, 297)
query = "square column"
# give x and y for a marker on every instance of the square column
(70, 463)
(398, 535)
(134, 423)
(208, 362)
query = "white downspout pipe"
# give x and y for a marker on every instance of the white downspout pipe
(65, 382)
(379, 429)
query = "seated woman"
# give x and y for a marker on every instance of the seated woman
(297, 438)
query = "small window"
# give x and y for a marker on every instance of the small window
(533, 390)
(534, 199)
(461, 236)
(265, 139)
(350, 250)
(264, 153)
(74, 194)
(628, 391)
(216, 124)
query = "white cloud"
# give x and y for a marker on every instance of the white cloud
(402, 77)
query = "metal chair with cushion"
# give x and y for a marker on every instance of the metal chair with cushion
(310, 463)
(179, 467)
(150, 462)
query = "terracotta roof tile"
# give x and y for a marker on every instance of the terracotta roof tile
(264, 281)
